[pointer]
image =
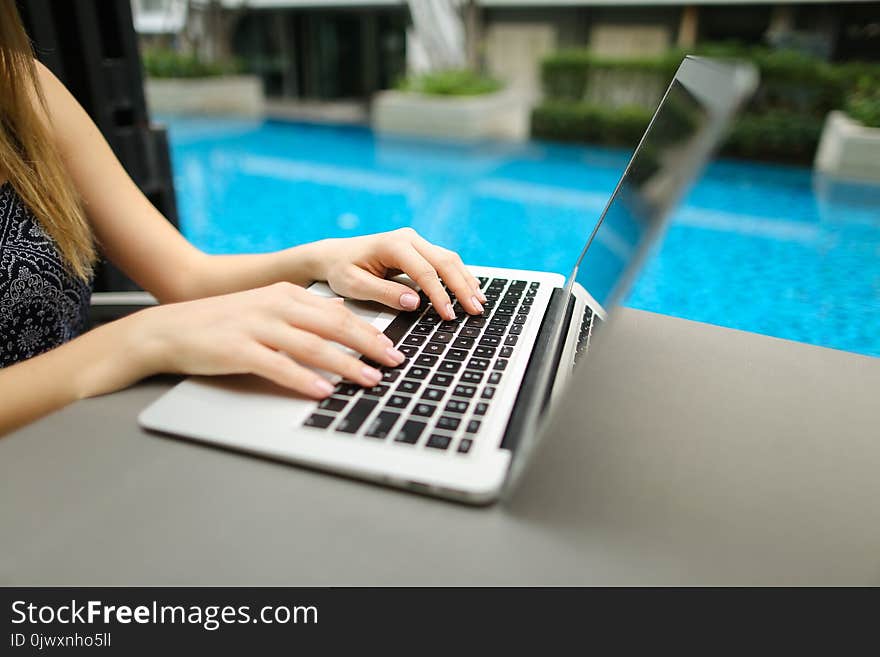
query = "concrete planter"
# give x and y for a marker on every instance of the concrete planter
(501, 115)
(848, 149)
(239, 95)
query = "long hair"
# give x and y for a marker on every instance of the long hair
(29, 157)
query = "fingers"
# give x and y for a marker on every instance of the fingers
(454, 274)
(309, 349)
(280, 369)
(333, 321)
(413, 264)
(361, 284)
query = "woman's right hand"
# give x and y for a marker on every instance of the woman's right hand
(276, 332)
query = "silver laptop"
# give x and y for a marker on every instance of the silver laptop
(460, 417)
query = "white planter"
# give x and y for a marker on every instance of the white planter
(239, 95)
(848, 149)
(501, 115)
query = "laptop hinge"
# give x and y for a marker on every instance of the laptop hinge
(528, 387)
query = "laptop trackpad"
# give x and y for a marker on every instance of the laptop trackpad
(375, 313)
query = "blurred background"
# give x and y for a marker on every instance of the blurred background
(499, 128)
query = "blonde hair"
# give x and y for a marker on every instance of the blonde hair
(28, 155)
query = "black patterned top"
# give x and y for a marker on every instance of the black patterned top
(42, 305)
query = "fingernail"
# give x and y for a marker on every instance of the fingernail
(481, 296)
(395, 355)
(323, 387)
(385, 340)
(477, 304)
(372, 374)
(409, 301)
(449, 312)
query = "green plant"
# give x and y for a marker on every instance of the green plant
(567, 120)
(453, 82)
(863, 103)
(164, 63)
(774, 135)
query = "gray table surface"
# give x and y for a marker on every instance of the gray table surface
(690, 454)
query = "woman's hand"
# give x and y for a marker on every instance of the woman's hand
(250, 332)
(357, 268)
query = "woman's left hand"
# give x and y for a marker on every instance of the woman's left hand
(358, 268)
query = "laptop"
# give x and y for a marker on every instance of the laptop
(461, 416)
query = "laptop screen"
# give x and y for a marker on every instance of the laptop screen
(659, 170)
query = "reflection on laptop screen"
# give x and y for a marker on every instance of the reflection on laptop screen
(661, 167)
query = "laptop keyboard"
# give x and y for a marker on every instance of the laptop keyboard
(437, 398)
(589, 321)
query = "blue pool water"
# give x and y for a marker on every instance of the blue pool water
(762, 248)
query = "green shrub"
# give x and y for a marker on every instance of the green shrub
(573, 121)
(863, 104)
(453, 82)
(774, 135)
(164, 63)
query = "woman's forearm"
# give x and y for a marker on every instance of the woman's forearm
(108, 358)
(224, 274)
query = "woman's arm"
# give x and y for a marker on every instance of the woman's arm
(141, 242)
(278, 332)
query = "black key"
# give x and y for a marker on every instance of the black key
(500, 282)
(426, 361)
(408, 350)
(464, 391)
(430, 317)
(346, 388)
(448, 422)
(501, 310)
(500, 364)
(495, 377)
(475, 322)
(370, 363)
(376, 391)
(491, 330)
(463, 343)
(400, 325)
(484, 352)
(456, 406)
(473, 426)
(425, 410)
(481, 408)
(500, 320)
(318, 421)
(472, 376)
(506, 352)
(397, 401)
(464, 445)
(409, 433)
(534, 286)
(508, 302)
(528, 301)
(408, 387)
(520, 319)
(438, 441)
(449, 367)
(433, 394)
(356, 416)
(457, 354)
(524, 310)
(390, 376)
(333, 404)
(382, 424)
(530, 294)
(517, 285)
(510, 340)
(488, 392)
(483, 280)
(469, 332)
(443, 337)
(516, 329)
(450, 327)
(478, 364)
(491, 341)
(434, 349)
(417, 372)
(442, 380)
(423, 329)
(414, 340)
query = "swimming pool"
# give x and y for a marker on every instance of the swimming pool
(762, 248)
